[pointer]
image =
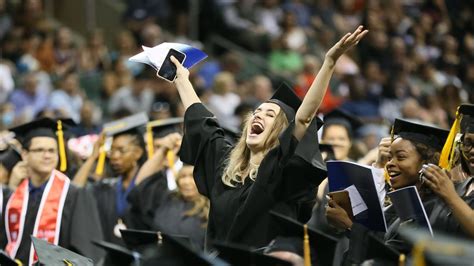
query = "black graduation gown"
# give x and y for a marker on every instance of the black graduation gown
(145, 199)
(5, 195)
(79, 225)
(170, 219)
(104, 192)
(438, 213)
(240, 214)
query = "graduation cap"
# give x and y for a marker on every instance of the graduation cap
(5, 260)
(136, 239)
(155, 56)
(311, 244)
(440, 250)
(433, 137)
(286, 98)
(463, 123)
(341, 117)
(127, 125)
(161, 128)
(50, 254)
(118, 255)
(239, 255)
(176, 252)
(45, 127)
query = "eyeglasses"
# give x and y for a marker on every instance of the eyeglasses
(43, 151)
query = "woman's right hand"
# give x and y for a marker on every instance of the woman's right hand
(383, 152)
(182, 73)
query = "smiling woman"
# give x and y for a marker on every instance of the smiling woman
(274, 165)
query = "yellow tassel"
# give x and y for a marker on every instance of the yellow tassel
(446, 159)
(307, 255)
(401, 259)
(67, 262)
(171, 158)
(62, 148)
(99, 169)
(149, 141)
(418, 254)
(18, 262)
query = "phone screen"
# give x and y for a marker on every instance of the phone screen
(168, 69)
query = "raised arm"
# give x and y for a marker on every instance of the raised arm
(315, 94)
(185, 88)
(157, 162)
(80, 179)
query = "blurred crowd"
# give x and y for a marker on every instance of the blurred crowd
(417, 62)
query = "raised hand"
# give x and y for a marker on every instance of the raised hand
(383, 152)
(181, 72)
(346, 43)
(439, 181)
(337, 216)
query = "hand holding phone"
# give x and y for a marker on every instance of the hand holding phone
(342, 199)
(167, 70)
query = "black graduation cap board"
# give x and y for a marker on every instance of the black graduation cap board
(52, 255)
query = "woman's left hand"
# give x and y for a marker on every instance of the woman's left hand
(337, 216)
(345, 43)
(439, 181)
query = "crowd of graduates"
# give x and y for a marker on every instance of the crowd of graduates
(224, 165)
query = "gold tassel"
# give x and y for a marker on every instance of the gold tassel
(171, 158)
(62, 148)
(307, 255)
(401, 259)
(99, 169)
(418, 254)
(446, 159)
(18, 262)
(67, 262)
(149, 141)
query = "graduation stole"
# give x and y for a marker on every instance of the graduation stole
(1, 200)
(48, 218)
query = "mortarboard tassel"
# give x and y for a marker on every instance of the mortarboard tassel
(418, 254)
(446, 159)
(99, 169)
(18, 262)
(307, 255)
(171, 158)
(62, 148)
(149, 141)
(402, 259)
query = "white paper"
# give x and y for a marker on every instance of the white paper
(358, 204)
(379, 180)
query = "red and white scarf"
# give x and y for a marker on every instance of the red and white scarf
(48, 218)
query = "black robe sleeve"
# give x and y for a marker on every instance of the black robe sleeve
(81, 224)
(144, 199)
(204, 146)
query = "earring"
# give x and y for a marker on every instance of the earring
(421, 178)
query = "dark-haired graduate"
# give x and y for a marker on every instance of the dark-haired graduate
(125, 157)
(272, 166)
(46, 205)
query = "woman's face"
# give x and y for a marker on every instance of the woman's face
(186, 185)
(467, 150)
(404, 163)
(124, 154)
(260, 125)
(338, 137)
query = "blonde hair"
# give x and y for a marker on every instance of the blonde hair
(238, 163)
(200, 203)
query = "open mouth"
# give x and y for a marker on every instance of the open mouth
(393, 174)
(256, 129)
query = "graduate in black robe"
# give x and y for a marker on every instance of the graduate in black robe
(126, 155)
(79, 221)
(280, 164)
